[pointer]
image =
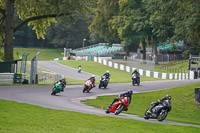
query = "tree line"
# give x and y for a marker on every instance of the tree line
(65, 23)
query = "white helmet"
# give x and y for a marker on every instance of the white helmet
(107, 71)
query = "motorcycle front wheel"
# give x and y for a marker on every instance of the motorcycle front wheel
(162, 115)
(85, 88)
(119, 109)
(146, 115)
(105, 85)
(53, 92)
(133, 83)
(100, 86)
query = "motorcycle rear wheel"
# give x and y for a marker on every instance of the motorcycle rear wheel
(119, 109)
(162, 115)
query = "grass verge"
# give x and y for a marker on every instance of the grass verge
(45, 54)
(25, 118)
(117, 76)
(184, 107)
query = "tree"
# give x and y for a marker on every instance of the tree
(68, 35)
(104, 11)
(186, 20)
(132, 23)
(38, 13)
(175, 20)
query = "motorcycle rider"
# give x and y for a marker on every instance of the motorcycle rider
(135, 72)
(107, 75)
(79, 68)
(63, 83)
(154, 104)
(127, 94)
(92, 80)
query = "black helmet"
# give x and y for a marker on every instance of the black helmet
(130, 91)
(168, 97)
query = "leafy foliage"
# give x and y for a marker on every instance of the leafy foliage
(39, 14)
(100, 24)
(67, 34)
(153, 20)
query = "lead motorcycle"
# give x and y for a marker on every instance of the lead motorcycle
(103, 82)
(79, 69)
(136, 79)
(159, 112)
(88, 86)
(119, 106)
(58, 87)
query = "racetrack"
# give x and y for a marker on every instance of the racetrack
(70, 98)
(64, 70)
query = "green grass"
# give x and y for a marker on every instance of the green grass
(184, 107)
(25, 118)
(99, 69)
(173, 67)
(45, 54)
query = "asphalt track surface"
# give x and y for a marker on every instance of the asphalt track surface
(70, 98)
(64, 70)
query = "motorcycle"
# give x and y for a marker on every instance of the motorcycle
(136, 79)
(103, 82)
(88, 86)
(159, 112)
(57, 88)
(79, 69)
(119, 106)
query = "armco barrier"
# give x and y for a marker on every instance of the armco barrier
(177, 76)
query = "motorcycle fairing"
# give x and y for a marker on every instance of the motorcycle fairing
(123, 101)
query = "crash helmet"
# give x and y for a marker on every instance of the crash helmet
(168, 97)
(130, 91)
(92, 76)
(135, 70)
(107, 71)
(63, 79)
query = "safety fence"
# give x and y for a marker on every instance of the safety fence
(46, 77)
(9, 78)
(148, 73)
(43, 77)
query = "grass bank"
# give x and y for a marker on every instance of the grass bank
(45, 54)
(117, 76)
(25, 118)
(184, 107)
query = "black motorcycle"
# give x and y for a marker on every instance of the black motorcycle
(136, 79)
(159, 112)
(103, 82)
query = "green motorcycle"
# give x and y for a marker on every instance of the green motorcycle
(58, 87)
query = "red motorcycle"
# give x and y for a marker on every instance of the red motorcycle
(88, 86)
(119, 106)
